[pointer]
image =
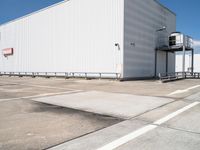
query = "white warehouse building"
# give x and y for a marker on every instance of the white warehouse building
(110, 38)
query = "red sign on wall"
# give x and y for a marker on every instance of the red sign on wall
(8, 51)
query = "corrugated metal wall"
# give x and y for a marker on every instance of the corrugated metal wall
(142, 19)
(80, 36)
(74, 36)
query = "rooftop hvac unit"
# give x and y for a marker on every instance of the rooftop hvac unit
(178, 39)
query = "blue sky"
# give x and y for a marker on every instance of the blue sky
(11, 9)
(188, 17)
(188, 12)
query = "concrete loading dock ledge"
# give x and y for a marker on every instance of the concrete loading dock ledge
(93, 38)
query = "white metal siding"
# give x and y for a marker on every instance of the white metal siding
(142, 19)
(179, 60)
(75, 36)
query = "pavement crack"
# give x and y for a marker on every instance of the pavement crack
(177, 129)
(151, 110)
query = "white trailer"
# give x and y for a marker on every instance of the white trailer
(107, 38)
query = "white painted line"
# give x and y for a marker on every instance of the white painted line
(183, 91)
(40, 95)
(49, 87)
(174, 114)
(35, 85)
(14, 90)
(127, 138)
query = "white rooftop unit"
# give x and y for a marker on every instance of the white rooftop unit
(94, 38)
(178, 39)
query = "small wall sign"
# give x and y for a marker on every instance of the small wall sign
(8, 51)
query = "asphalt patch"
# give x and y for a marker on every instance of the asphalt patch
(26, 124)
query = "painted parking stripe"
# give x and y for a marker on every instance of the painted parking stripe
(183, 91)
(36, 85)
(127, 138)
(49, 87)
(41, 95)
(172, 115)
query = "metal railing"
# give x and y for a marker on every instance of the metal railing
(178, 76)
(66, 75)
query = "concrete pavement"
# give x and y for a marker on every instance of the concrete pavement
(113, 104)
(80, 114)
(26, 124)
(179, 132)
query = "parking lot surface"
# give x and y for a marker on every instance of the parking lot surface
(74, 114)
(27, 124)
